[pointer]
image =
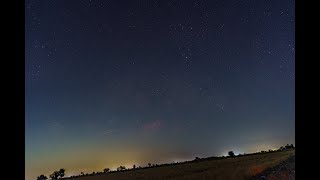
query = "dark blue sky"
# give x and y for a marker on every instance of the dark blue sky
(136, 81)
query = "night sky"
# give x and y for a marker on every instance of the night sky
(112, 83)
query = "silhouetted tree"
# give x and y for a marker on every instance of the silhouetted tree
(149, 164)
(197, 159)
(121, 168)
(42, 177)
(82, 173)
(56, 174)
(231, 153)
(62, 172)
(134, 166)
(289, 146)
(106, 170)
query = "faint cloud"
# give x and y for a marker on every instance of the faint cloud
(153, 125)
(55, 125)
(109, 132)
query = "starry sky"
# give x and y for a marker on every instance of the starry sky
(112, 83)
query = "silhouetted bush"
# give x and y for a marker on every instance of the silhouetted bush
(289, 146)
(286, 147)
(106, 170)
(231, 153)
(42, 177)
(121, 168)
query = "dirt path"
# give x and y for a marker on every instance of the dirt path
(284, 171)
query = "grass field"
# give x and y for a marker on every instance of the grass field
(237, 168)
